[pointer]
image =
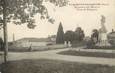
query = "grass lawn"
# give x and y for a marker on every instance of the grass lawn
(36, 48)
(52, 66)
(89, 54)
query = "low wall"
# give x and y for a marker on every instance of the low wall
(56, 46)
(37, 48)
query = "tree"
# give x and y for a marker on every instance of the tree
(111, 37)
(60, 35)
(79, 34)
(23, 12)
(1, 44)
(95, 36)
(69, 36)
(76, 36)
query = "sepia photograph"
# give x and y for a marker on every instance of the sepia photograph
(57, 36)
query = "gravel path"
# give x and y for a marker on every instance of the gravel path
(51, 54)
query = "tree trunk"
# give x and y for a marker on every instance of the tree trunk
(5, 32)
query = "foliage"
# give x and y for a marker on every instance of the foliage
(23, 11)
(87, 53)
(111, 38)
(112, 42)
(79, 33)
(74, 37)
(60, 35)
(69, 36)
(95, 36)
(90, 44)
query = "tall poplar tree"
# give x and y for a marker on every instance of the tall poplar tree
(60, 35)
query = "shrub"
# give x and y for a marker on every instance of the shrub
(90, 44)
(112, 42)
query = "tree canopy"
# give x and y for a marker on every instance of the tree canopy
(95, 36)
(79, 33)
(74, 36)
(60, 35)
(69, 36)
(23, 11)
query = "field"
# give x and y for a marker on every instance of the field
(52, 66)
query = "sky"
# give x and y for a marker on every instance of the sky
(70, 17)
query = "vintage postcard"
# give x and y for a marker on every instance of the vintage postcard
(57, 36)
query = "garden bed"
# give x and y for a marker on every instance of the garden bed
(88, 54)
(102, 47)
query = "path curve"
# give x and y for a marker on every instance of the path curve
(52, 54)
